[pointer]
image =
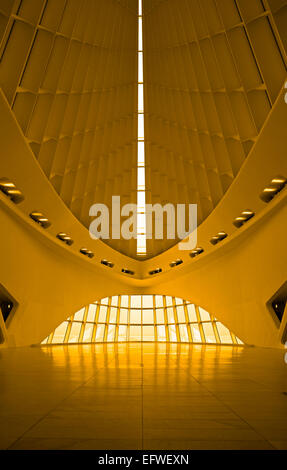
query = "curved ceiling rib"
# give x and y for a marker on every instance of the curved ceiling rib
(212, 72)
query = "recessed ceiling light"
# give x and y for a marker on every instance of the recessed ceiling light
(127, 271)
(10, 190)
(107, 263)
(155, 271)
(87, 252)
(218, 238)
(196, 252)
(276, 185)
(176, 263)
(243, 218)
(65, 238)
(40, 219)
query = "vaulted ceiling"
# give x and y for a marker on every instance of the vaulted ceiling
(212, 72)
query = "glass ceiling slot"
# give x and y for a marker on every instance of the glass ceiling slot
(141, 187)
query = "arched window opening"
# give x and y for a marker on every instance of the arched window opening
(142, 318)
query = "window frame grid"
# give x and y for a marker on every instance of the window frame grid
(105, 325)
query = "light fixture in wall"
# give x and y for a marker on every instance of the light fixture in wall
(196, 252)
(128, 271)
(276, 185)
(87, 252)
(243, 218)
(155, 271)
(107, 263)
(65, 238)
(10, 190)
(40, 219)
(176, 263)
(218, 238)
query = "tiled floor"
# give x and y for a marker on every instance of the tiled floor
(143, 397)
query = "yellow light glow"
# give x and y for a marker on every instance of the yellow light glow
(141, 199)
(142, 318)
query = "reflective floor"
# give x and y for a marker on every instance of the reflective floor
(131, 396)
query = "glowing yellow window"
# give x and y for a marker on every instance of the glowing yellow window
(148, 333)
(196, 336)
(191, 313)
(148, 316)
(136, 301)
(209, 333)
(158, 301)
(160, 316)
(172, 333)
(79, 316)
(59, 334)
(183, 333)
(170, 315)
(123, 329)
(100, 333)
(75, 332)
(88, 333)
(113, 315)
(111, 333)
(135, 333)
(161, 334)
(103, 314)
(124, 301)
(224, 334)
(168, 301)
(135, 317)
(204, 315)
(123, 315)
(180, 314)
(92, 313)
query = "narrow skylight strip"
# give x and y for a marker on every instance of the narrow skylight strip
(141, 188)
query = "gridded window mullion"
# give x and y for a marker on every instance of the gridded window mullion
(215, 329)
(154, 318)
(187, 322)
(84, 325)
(68, 330)
(96, 323)
(200, 324)
(118, 319)
(176, 320)
(129, 318)
(50, 338)
(234, 340)
(165, 320)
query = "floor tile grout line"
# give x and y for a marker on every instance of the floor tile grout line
(54, 408)
(233, 411)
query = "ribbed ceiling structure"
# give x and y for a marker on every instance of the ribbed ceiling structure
(212, 72)
(69, 72)
(213, 69)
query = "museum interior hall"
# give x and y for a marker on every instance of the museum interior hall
(143, 176)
